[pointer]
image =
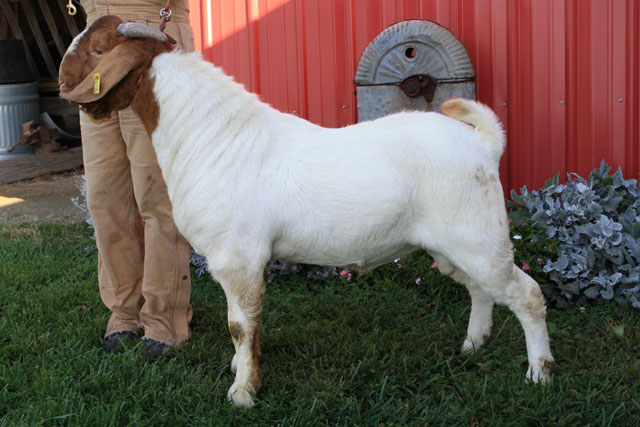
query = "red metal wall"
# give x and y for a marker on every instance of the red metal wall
(563, 75)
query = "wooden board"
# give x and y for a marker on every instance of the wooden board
(17, 32)
(39, 164)
(39, 38)
(51, 23)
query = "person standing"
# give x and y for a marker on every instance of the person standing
(143, 261)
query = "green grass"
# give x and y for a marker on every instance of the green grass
(378, 351)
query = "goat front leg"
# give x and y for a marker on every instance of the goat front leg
(245, 297)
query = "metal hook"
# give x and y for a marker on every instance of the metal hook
(71, 8)
(165, 14)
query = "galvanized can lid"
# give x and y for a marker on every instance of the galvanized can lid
(411, 48)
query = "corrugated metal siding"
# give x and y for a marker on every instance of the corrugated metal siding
(562, 75)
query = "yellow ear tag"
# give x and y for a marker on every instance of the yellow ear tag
(96, 83)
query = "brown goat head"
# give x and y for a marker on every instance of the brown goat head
(102, 69)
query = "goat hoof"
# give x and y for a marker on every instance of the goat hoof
(234, 363)
(542, 373)
(470, 345)
(467, 346)
(240, 396)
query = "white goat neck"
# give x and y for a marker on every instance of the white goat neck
(200, 109)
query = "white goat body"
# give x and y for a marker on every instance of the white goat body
(246, 178)
(249, 184)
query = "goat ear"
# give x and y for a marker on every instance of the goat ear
(114, 66)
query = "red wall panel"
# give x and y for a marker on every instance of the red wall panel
(562, 75)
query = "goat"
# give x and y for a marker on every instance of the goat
(250, 184)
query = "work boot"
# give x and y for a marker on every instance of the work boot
(113, 341)
(152, 349)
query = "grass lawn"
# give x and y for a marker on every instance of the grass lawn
(380, 350)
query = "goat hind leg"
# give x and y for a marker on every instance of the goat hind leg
(481, 317)
(527, 302)
(523, 296)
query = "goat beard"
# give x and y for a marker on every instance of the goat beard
(101, 110)
(97, 112)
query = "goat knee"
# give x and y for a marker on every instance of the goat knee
(524, 297)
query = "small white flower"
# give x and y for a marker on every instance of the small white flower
(516, 237)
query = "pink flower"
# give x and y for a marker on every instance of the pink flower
(434, 265)
(399, 265)
(539, 261)
(349, 277)
(525, 266)
(344, 273)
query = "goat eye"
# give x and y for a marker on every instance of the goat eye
(97, 52)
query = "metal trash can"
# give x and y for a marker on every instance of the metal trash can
(412, 65)
(18, 104)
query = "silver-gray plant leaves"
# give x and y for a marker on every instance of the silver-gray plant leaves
(597, 225)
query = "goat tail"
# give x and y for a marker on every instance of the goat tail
(480, 116)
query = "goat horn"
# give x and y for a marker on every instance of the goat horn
(133, 29)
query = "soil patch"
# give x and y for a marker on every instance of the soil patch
(46, 199)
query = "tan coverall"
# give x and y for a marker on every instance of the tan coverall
(143, 269)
